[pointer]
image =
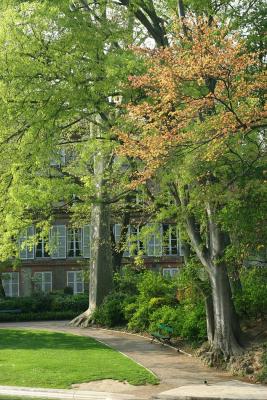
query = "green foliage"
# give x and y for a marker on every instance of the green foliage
(145, 299)
(187, 320)
(251, 300)
(33, 316)
(170, 316)
(40, 303)
(68, 290)
(154, 291)
(113, 310)
(110, 313)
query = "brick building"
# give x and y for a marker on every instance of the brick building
(66, 261)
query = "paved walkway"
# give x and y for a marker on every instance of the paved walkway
(173, 369)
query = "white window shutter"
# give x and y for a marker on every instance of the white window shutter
(86, 241)
(117, 232)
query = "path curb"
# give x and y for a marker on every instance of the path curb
(231, 390)
(63, 394)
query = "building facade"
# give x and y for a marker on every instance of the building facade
(62, 259)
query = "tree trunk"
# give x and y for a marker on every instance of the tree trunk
(119, 248)
(100, 281)
(209, 318)
(2, 291)
(226, 339)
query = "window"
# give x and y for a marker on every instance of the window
(26, 248)
(10, 281)
(59, 158)
(170, 272)
(74, 242)
(41, 249)
(170, 243)
(76, 281)
(133, 243)
(136, 245)
(58, 241)
(43, 282)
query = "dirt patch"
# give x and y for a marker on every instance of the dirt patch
(105, 385)
(113, 386)
(250, 364)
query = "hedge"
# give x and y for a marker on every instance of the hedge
(41, 307)
(44, 316)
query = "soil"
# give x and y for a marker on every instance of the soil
(250, 364)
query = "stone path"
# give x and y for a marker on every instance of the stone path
(172, 368)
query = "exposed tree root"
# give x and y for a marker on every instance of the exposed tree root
(83, 320)
(217, 357)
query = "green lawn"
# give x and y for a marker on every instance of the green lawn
(57, 360)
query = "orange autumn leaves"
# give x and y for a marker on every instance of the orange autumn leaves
(198, 92)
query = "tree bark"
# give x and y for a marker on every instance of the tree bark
(2, 291)
(209, 318)
(226, 339)
(222, 322)
(100, 281)
(119, 248)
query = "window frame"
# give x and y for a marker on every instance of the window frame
(11, 283)
(43, 283)
(55, 253)
(168, 271)
(75, 282)
(24, 237)
(170, 241)
(77, 237)
(44, 252)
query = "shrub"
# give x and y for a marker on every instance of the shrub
(40, 303)
(140, 319)
(68, 290)
(31, 316)
(110, 313)
(193, 323)
(171, 316)
(76, 303)
(251, 301)
(155, 291)
(145, 299)
(127, 281)
(116, 307)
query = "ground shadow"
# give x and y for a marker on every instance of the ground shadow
(25, 339)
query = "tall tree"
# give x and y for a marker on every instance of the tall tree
(58, 92)
(203, 103)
